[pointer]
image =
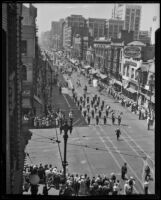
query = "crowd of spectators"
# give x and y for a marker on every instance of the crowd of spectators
(75, 184)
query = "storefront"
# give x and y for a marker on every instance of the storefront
(117, 85)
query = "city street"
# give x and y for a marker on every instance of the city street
(94, 149)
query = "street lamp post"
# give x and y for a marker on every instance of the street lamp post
(65, 128)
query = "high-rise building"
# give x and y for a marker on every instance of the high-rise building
(73, 25)
(113, 27)
(131, 14)
(54, 27)
(96, 27)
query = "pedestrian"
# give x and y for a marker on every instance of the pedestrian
(104, 120)
(103, 103)
(148, 123)
(100, 113)
(97, 120)
(89, 119)
(107, 113)
(87, 99)
(95, 108)
(119, 120)
(102, 107)
(84, 113)
(113, 118)
(60, 89)
(70, 115)
(80, 107)
(118, 133)
(78, 102)
(92, 103)
(92, 112)
(81, 99)
(88, 108)
(139, 114)
(124, 171)
(146, 186)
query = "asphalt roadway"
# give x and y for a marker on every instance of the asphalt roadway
(94, 149)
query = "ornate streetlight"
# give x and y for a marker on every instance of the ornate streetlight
(66, 127)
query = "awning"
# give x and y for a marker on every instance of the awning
(93, 71)
(131, 90)
(148, 97)
(102, 76)
(38, 100)
(86, 66)
(118, 83)
(26, 103)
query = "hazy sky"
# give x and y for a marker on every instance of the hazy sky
(48, 12)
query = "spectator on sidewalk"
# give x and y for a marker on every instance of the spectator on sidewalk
(100, 113)
(92, 112)
(97, 119)
(89, 119)
(107, 112)
(148, 123)
(104, 120)
(146, 185)
(119, 120)
(113, 118)
(124, 171)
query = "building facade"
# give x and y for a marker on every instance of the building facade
(97, 27)
(29, 43)
(131, 14)
(134, 70)
(113, 27)
(144, 36)
(13, 135)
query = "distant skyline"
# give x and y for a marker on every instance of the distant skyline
(48, 12)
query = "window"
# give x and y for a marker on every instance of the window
(124, 70)
(24, 47)
(128, 11)
(127, 72)
(132, 73)
(138, 12)
(24, 72)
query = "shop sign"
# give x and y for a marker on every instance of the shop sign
(132, 52)
(131, 63)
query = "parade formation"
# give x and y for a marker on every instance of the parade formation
(80, 99)
(96, 111)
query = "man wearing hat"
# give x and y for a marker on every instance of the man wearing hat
(118, 133)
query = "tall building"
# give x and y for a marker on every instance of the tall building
(131, 14)
(29, 40)
(54, 27)
(78, 24)
(96, 27)
(113, 27)
(12, 134)
(57, 34)
(73, 25)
